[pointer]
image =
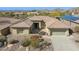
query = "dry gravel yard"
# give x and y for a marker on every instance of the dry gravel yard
(19, 47)
(59, 43)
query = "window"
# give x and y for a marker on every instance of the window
(19, 31)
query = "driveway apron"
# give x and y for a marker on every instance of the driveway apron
(63, 43)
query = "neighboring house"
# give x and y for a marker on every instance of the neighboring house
(5, 24)
(70, 20)
(18, 13)
(37, 24)
(32, 13)
(75, 12)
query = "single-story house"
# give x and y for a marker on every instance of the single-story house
(5, 24)
(36, 24)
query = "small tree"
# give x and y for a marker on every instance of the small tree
(3, 38)
(26, 43)
(35, 43)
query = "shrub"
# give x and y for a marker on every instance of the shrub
(44, 43)
(41, 40)
(42, 33)
(48, 44)
(3, 39)
(35, 43)
(14, 41)
(26, 43)
(76, 29)
(1, 44)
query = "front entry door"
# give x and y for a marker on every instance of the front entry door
(36, 25)
(35, 28)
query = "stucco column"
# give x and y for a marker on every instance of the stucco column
(40, 25)
(67, 32)
(0, 33)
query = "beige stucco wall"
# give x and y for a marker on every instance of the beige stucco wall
(26, 31)
(67, 32)
(14, 31)
(43, 25)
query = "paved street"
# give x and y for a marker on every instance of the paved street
(62, 43)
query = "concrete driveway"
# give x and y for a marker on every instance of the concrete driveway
(63, 43)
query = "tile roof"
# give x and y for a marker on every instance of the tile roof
(66, 22)
(26, 24)
(2, 26)
(54, 23)
(58, 24)
(48, 20)
(35, 18)
(10, 20)
(6, 22)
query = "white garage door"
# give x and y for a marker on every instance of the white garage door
(58, 32)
